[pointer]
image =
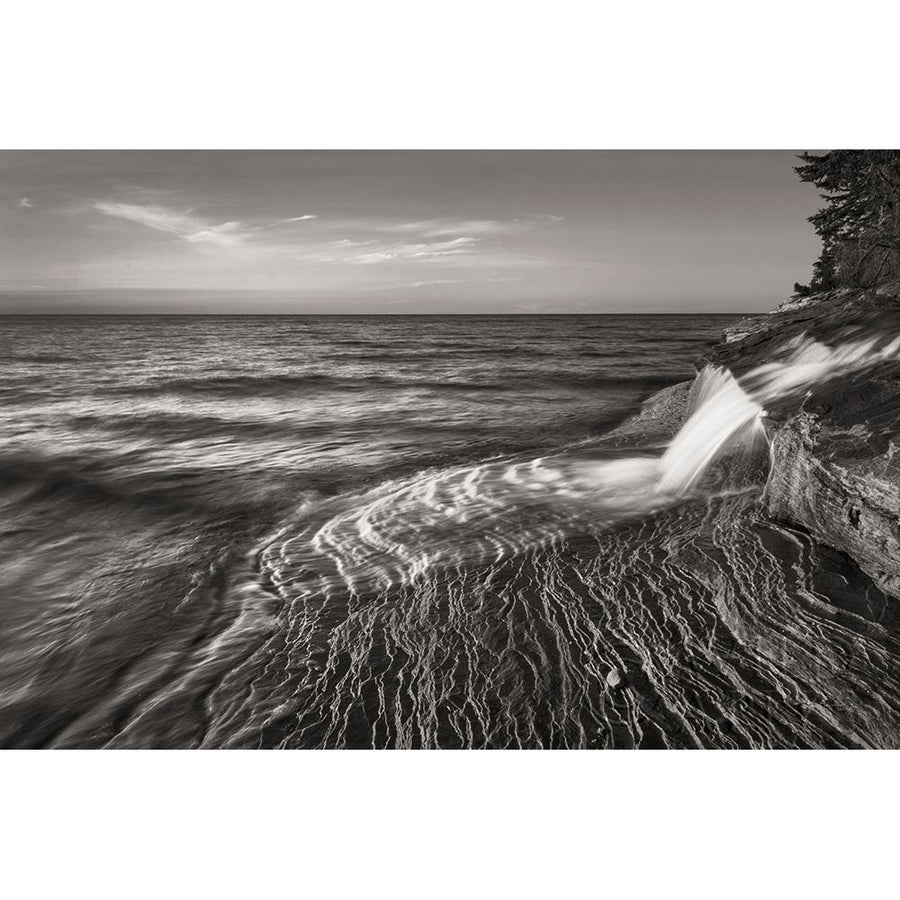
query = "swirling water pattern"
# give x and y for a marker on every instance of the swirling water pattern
(402, 532)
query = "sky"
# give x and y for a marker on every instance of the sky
(501, 231)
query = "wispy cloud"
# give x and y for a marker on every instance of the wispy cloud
(433, 228)
(288, 221)
(25, 203)
(450, 227)
(429, 251)
(354, 241)
(185, 225)
(439, 240)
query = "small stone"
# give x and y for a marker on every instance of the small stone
(614, 678)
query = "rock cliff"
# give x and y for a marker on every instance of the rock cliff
(835, 467)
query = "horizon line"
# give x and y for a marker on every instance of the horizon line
(256, 315)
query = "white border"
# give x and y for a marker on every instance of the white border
(467, 74)
(454, 824)
(474, 73)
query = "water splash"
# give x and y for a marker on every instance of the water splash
(806, 363)
(727, 411)
(724, 415)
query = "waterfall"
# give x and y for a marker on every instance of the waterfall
(726, 412)
(723, 415)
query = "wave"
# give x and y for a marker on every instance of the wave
(41, 358)
(162, 426)
(90, 483)
(279, 384)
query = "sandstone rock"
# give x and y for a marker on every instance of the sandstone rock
(835, 470)
(840, 480)
(889, 290)
(659, 419)
(829, 317)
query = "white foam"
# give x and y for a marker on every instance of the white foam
(723, 412)
(727, 411)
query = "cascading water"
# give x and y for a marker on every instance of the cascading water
(806, 363)
(727, 411)
(723, 415)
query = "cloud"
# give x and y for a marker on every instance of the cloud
(431, 228)
(417, 252)
(289, 221)
(374, 250)
(428, 240)
(448, 227)
(188, 227)
(226, 234)
(438, 240)
(185, 225)
(365, 241)
(25, 203)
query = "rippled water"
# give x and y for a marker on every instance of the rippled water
(400, 532)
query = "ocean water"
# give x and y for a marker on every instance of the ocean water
(401, 532)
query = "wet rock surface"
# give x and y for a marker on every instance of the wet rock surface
(830, 317)
(835, 472)
(834, 465)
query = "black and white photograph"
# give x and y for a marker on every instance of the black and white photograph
(474, 449)
(405, 409)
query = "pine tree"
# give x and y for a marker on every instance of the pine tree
(860, 222)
